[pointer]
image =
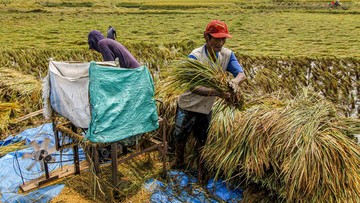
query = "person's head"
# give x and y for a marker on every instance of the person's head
(215, 35)
(93, 39)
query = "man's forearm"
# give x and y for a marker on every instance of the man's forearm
(204, 91)
(240, 78)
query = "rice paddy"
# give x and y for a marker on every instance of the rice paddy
(258, 29)
(283, 47)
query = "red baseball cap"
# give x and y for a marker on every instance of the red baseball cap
(217, 29)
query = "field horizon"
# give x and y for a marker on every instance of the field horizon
(259, 28)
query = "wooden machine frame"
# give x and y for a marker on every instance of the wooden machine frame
(67, 129)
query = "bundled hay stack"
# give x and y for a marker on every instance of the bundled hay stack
(5, 111)
(16, 86)
(183, 75)
(188, 74)
(300, 150)
(19, 94)
(297, 149)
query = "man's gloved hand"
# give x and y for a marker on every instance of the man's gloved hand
(233, 85)
(224, 95)
(117, 62)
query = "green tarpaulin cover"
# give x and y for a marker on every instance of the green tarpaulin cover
(122, 103)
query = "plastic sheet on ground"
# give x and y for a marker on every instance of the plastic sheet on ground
(28, 134)
(183, 188)
(10, 179)
(42, 195)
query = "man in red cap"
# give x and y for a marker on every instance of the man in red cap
(194, 107)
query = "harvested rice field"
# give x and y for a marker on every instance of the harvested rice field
(289, 135)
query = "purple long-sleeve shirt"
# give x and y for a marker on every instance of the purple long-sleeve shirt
(111, 49)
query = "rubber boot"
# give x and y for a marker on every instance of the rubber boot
(200, 165)
(179, 155)
(200, 172)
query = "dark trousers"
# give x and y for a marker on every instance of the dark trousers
(185, 123)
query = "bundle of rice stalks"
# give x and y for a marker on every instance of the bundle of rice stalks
(12, 147)
(16, 86)
(300, 149)
(189, 74)
(167, 110)
(5, 112)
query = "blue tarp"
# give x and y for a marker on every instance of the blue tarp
(182, 188)
(28, 134)
(42, 195)
(9, 168)
(122, 103)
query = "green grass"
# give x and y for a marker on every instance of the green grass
(272, 28)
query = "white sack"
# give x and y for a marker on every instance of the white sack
(69, 85)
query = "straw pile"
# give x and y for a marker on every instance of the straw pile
(19, 95)
(284, 148)
(189, 74)
(16, 86)
(6, 110)
(183, 75)
(301, 150)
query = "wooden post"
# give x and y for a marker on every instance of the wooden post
(76, 153)
(76, 159)
(114, 163)
(165, 147)
(95, 158)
